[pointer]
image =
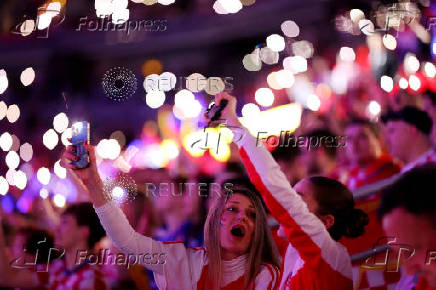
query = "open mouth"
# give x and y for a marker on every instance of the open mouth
(237, 231)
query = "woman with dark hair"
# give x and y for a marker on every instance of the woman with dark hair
(239, 253)
(313, 216)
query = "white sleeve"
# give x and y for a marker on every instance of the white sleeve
(267, 278)
(173, 266)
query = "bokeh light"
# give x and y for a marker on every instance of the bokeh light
(60, 171)
(60, 122)
(154, 98)
(386, 83)
(26, 152)
(264, 97)
(12, 159)
(6, 141)
(13, 113)
(275, 42)
(59, 200)
(50, 139)
(43, 175)
(4, 186)
(27, 76)
(290, 28)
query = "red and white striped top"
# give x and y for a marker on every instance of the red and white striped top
(313, 260)
(83, 277)
(182, 268)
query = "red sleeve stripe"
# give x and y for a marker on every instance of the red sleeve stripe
(293, 230)
(172, 242)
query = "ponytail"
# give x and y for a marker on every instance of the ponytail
(336, 199)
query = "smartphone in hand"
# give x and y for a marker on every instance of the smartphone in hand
(79, 136)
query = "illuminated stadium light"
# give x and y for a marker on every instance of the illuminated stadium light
(26, 152)
(155, 99)
(166, 2)
(3, 110)
(53, 9)
(4, 186)
(313, 102)
(182, 97)
(167, 81)
(275, 42)
(285, 78)
(12, 159)
(295, 64)
(219, 9)
(231, 6)
(50, 139)
(43, 175)
(27, 76)
(59, 200)
(119, 16)
(20, 179)
(429, 69)
(108, 149)
(10, 176)
(389, 42)
(43, 193)
(196, 82)
(356, 15)
(403, 83)
(411, 63)
(13, 113)
(374, 109)
(347, 54)
(250, 110)
(252, 62)
(386, 83)
(43, 21)
(60, 122)
(272, 81)
(6, 141)
(60, 171)
(169, 148)
(414, 82)
(4, 82)
(290, 28)
(68, 133)
(367, 27)
(264, 97)
(268, 56)
(27, 27)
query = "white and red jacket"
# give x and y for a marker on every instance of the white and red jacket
(174, 266)
(313, 260)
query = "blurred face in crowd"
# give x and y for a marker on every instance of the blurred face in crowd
(398, 136)
(237, 224)
(311, 159)
(419, 233)
(70, 233)
(306, 190)
(362, 145)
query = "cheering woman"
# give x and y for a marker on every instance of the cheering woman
(239, 253)
(313, 215)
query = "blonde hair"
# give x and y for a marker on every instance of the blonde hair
(262, 248)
